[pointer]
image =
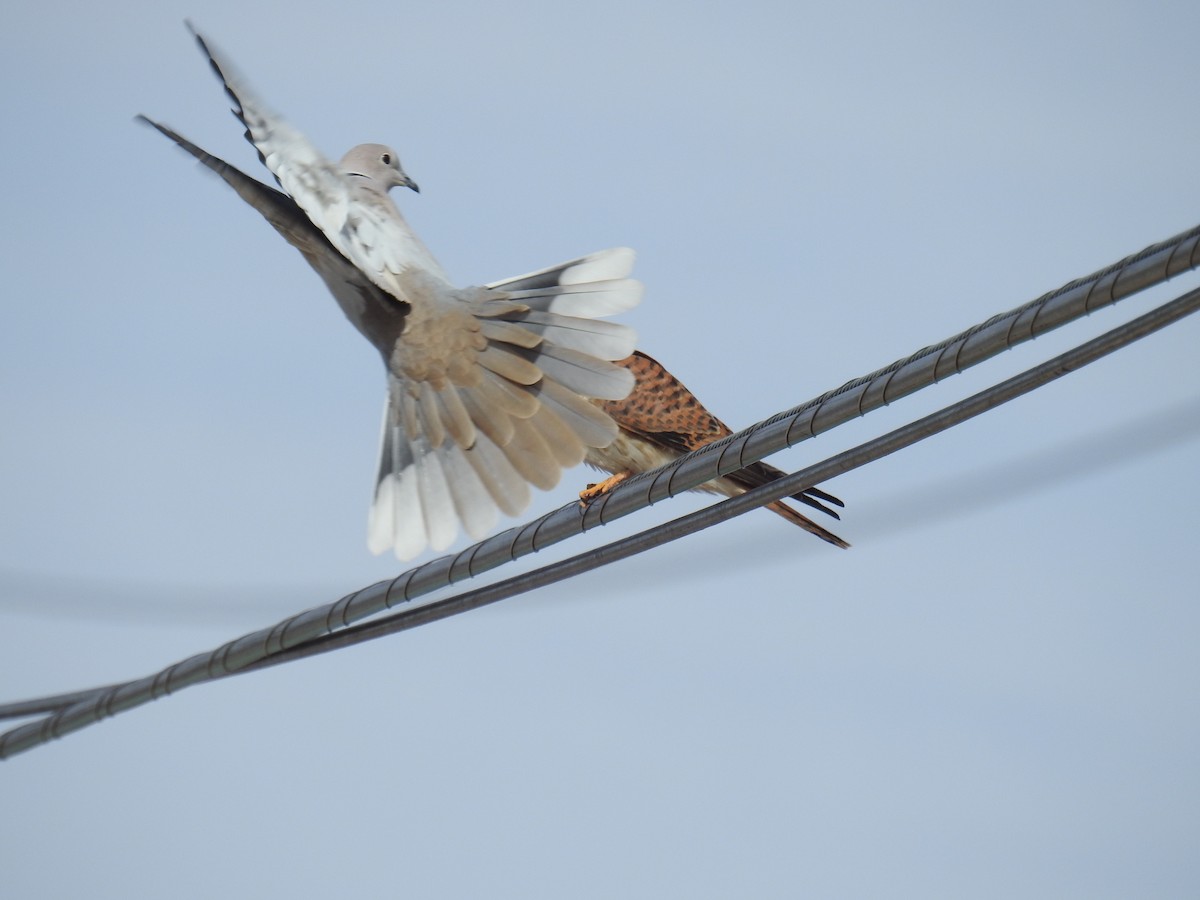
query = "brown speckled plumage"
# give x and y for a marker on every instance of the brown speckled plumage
(661, 420)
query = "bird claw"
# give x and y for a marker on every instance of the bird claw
(592, 491)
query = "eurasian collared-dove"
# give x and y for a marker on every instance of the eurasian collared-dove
(661, 420)
(486, 385)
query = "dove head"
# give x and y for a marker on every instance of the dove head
(379, 165)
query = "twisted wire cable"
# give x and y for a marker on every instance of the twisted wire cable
(1149, 267)
(855, 457)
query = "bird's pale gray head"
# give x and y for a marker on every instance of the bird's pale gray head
(377, 163)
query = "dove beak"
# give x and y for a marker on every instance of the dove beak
(407, 182)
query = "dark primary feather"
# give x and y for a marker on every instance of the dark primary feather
(224, 78)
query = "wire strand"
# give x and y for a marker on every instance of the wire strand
(858, 456)
(1151, 266)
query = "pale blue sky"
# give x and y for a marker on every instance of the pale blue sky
(993, 694)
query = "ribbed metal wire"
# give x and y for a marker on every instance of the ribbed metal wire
(925, 427)
(1151, 266)
(52, 703)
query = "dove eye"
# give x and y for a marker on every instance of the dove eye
(387, 159)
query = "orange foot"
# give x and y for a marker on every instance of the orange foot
(592, 491)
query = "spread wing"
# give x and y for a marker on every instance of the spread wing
(486, 385)
(373, 311)
(508, 409)
(366, 228)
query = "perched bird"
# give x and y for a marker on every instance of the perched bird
(486, 385)
(660, 421)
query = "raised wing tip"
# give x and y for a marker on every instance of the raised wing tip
(157, 126)
(195, 33)
(224, 69)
